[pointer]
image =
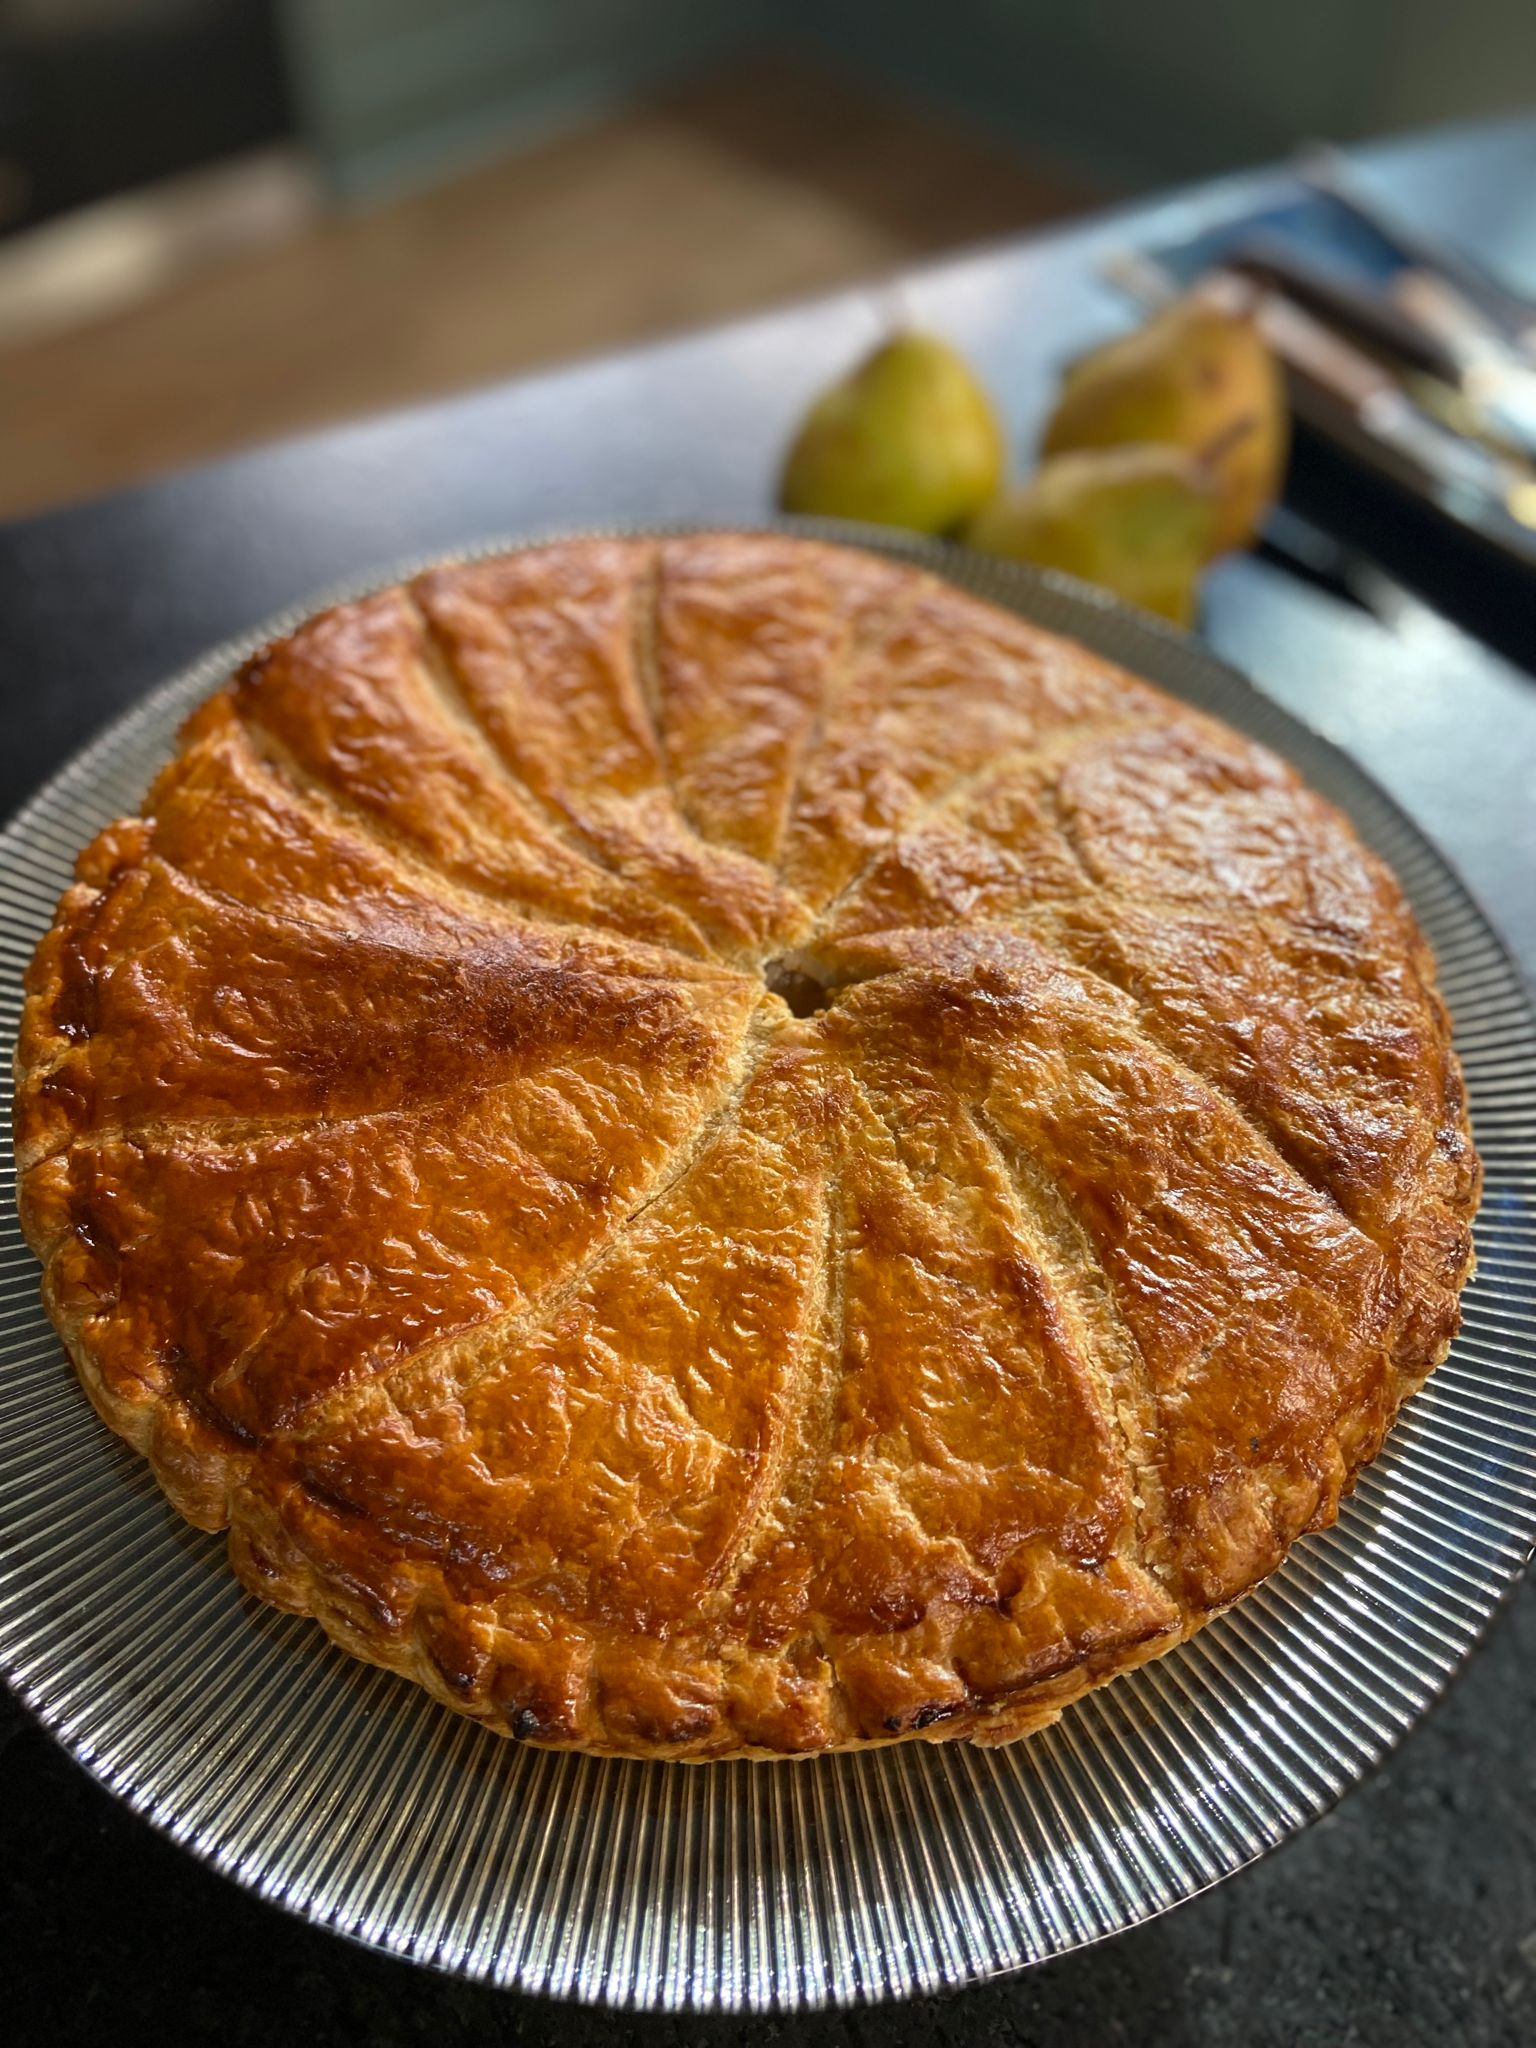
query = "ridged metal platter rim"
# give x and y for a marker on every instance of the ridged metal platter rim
(369, 1810)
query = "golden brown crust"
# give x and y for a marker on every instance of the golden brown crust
(428, 1185)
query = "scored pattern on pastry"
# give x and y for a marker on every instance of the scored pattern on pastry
(711, 1147)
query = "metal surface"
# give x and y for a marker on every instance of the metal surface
(349, 1797)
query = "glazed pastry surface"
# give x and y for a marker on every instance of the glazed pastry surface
(711, 1147)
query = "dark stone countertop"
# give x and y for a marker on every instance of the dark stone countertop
(1406, 1917)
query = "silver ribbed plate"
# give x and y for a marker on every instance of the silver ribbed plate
(348, 1797)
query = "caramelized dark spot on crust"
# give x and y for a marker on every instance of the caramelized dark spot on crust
(926, 1717)
(185, 1383)
(76, 1013)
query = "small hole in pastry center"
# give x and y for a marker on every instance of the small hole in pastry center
(805, 995)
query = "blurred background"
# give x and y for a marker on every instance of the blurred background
(222, 220)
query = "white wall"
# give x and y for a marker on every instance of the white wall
(395, 91)
(1147, 91)
(1133, 92)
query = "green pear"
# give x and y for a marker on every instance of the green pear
(908, 439)
(1198, 376)
(1137, 521)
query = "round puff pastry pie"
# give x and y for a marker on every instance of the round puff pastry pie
(712, 1148)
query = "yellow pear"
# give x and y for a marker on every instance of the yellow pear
(1198, 377)
(908, 439)
(1137, 521)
